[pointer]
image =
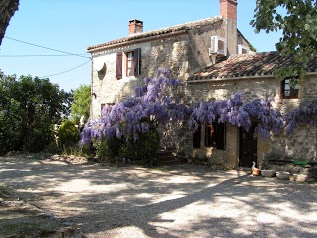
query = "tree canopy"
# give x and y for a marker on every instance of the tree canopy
(7, 10)
(298, 25)
(81, 102)
(29, 108)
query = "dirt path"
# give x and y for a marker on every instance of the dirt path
(179, 201)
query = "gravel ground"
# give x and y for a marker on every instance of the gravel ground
(173, 201)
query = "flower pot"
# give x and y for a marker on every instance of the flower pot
(268, 173)
(300, 178)
(282, 175)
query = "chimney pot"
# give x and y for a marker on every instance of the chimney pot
(135, 26)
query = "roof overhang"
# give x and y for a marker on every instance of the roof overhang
(237, 78)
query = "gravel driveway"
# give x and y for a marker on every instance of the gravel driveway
(176, 201)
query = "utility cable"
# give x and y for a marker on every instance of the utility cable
(65, 71)
(18, 56)
(44, 47)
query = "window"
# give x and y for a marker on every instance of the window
(102, 105)
(289, 88)
(133, 63)
(215, 135)
(196, 137)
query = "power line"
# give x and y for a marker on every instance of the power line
(44, 47)
(18, 56)
(65, 71)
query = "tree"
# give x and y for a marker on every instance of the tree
(299, 26)
(81, 102)
(29, 108)
(7, 10)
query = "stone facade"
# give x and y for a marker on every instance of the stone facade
(182, 53)
(300, 146)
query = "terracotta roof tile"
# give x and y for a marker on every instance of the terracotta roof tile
(254, 64)
(130, 39)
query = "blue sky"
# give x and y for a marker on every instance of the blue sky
(73, 25)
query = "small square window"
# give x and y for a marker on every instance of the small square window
(289, 88)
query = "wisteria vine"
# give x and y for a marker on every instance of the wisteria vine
(304, 114)
(157, 101)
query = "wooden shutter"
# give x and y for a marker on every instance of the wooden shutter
(119, 66)
(196, 137)
(137, 62)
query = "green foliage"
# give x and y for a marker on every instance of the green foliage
(81, 104)
(143, 149)
(68, 134)
(299, 26)
(29, 107)
(107, 150)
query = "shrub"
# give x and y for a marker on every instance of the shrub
(35, 141)
(144, 148)
(68, 134)
(111, 149)
(107, 150)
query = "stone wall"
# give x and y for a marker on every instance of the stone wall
(300, 145)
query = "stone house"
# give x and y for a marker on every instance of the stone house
(252, 74)
(214, 60)
(121, 64)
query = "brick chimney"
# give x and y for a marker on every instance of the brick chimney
(228, 10)
(135, 26)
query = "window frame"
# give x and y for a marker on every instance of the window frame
(293, 91)
(129, 60)
(215, 135)
(133, 63)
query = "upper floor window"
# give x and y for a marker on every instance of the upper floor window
(132, 63)
(289, 88)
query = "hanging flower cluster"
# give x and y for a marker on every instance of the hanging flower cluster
(304, 114)
(157, 101)
(239, 114)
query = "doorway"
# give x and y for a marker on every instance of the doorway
(248, 147)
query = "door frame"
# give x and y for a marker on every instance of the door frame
(246, 154)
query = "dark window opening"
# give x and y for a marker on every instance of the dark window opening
(196, 137)
(215, 135)
(102, 105)
(289, 88)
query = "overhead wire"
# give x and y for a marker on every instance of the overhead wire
(66, 71)
(19, 56)
(44, 47)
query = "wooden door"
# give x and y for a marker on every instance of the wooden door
(248, 147)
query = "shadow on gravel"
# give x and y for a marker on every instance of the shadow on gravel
(229, 204)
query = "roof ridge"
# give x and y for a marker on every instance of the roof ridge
(161, 31)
